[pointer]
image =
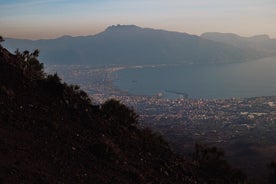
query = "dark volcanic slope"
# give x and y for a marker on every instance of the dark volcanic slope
(51, 133)
(132, 45)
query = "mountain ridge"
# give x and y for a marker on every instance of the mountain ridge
(133, 45)
(260, 42)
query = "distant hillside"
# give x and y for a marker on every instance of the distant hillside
(129, 44)
(259, 42)
(50, 132)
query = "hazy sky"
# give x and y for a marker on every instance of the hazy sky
(53, 18)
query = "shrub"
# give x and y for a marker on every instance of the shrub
(54, 85)
(119, 111)
(214, 167)
(1, 40)
(272, 174)
(30, 65)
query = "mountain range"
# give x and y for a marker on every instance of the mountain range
(257, 42)
(133, 45)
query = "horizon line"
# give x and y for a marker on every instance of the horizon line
(122, 25)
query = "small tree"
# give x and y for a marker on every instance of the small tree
(31, 65)
(36, 68)
(120, 112)
(26, 55)
(35, 54)
(17, 52)
(1, 40)
(214, 167)
(53, 85)
(272, 174)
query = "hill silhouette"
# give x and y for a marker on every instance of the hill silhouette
(133, 45)
(258, 42)
(50, 132)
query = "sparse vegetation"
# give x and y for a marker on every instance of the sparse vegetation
(1, 39)
(272, 174)
(51, 133)
(30, 65)
(213, 166)
(117, 110)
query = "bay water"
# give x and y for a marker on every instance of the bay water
(210, 81)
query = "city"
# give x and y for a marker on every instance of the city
(241, 126)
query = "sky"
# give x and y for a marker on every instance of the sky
(37, 19)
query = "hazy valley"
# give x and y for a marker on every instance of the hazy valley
(137, 67)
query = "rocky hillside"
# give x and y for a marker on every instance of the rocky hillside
(50, 132)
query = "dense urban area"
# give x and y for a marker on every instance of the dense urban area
(241, 126)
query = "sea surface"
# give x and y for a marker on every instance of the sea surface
(210, 81)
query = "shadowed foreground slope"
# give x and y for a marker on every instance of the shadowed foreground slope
(51, 133)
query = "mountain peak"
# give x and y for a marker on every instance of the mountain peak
(133, 45)
(122, 27)
(65, 37)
